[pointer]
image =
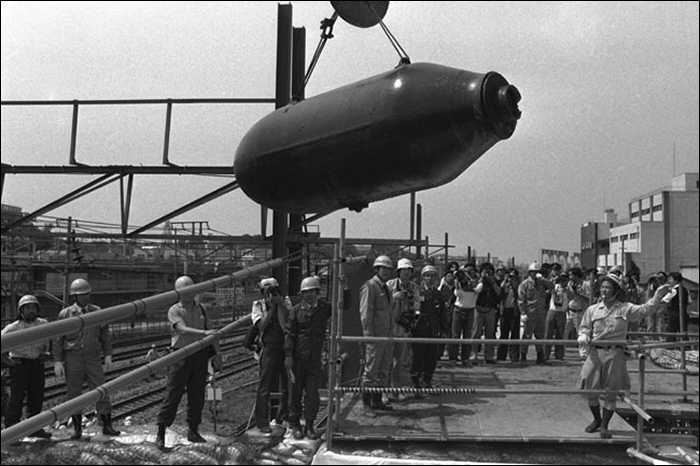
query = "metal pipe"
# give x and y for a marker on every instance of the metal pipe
(643, 415)
(493, 391)
(487, 341)
(73, 405)
(111, 314)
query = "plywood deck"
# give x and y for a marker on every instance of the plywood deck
(487, 418)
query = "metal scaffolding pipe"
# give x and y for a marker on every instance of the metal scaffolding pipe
(76, 404)
(121, 311)
(497, 391)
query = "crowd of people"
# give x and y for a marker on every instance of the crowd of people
(467, 302)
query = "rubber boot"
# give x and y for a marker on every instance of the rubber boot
(377, 403)
(595, 425)
(78, 426)
(297, 433)
(310, 433)
(193, 436)
(107, 428)
(607, 415)
(367, 405)
(160, 437)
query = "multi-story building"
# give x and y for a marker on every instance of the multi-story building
(662, 233)
(595, 240)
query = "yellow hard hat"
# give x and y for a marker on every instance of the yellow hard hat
(310, 283)
(183, 282)
(383, 261)
(80, 286)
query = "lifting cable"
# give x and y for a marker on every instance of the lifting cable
(327, 33)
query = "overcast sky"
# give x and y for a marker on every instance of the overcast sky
(607, 90)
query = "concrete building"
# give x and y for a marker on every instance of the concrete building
(662, 233)
(595, 240)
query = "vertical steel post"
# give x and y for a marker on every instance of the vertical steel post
(166, 142)
(66, 273)
(73, 133)
(640, 420)
(295, 220)
(447, 251)
(282, 97)
(419, 227)
(336, 302)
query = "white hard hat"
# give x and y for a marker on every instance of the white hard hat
(80, 286)
(534, 267)
(429, 269)
(266, 283)
(383, 261)
(310, 283)
(27, 299)
(183, 282)
(404, 264)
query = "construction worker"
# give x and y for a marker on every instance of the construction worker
(26, 366)
(432, 323)
(533, 304)
(606, 367)
(405, 308)
(188, 324)
(375, 316)
(78, 356)
(270, 315)
(303, 346)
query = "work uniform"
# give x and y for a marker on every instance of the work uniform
(375, 315)
(306, 334)
(189, 373)
(432, 323)
(81, 352)
(533, 302)
(26, 374)
(271, 319)
(403, 315)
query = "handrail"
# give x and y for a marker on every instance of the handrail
(112, 314)
(69, 407)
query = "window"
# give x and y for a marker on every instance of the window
(634, 235)
(646, 211)
(635, 214)
(657, 208)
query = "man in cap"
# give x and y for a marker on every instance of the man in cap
(78, 356)
(303, 347)
(188, 324)
(432, 323)
(405, 306)
(26, 366)
(375, 316)
(605, 367)
(270, 315)
(533, 304)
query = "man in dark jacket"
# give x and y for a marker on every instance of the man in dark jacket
(303, 346)
(432, 323)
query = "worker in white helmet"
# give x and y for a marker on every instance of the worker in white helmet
(533, 304)
(303, 347)
(375, 316)
(270, 314)
(26, 366)
(78, 356)
(432, 323)
(188, 324)
(405, 308)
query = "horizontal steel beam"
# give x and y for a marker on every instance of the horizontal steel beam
(120, 169)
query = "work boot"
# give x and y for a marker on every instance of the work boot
(78, 426)
(193, 436)
(41, 433)
(160, 437)
(377, 403)
(607, 415)
(107, 428)
(416, 384)
(310, 433)
(595, 425)
(367, 405)
(297, 433)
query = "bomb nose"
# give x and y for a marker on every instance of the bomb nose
(500, 101)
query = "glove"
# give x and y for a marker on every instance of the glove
(523, 318)
(108, 363)
(58, 369)
(583, 339)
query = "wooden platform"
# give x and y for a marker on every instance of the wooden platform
(489, 418)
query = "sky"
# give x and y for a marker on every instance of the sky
(610, 107)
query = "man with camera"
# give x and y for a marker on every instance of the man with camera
(405, 307)
(463, 312)
(488, 299)
(270, 316)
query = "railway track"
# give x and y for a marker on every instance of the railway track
(57, 388)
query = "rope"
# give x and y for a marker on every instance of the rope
(403, 56)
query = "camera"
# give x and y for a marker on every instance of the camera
(274, 291)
